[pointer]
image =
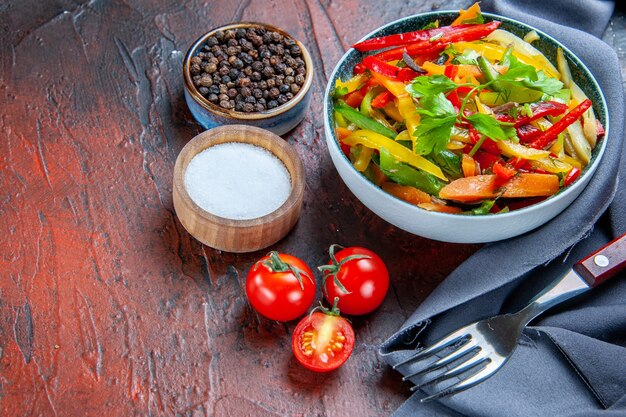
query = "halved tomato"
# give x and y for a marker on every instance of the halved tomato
(322, 342)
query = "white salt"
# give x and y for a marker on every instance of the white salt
(237, 181)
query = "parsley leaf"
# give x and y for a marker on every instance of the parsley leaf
(523, 75)
(490, 127)
(430, 85)
(450, 51)
(438, 118)
(432, 25)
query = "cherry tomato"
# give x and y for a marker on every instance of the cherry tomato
(358, 277)
(323, 341)
(280, 287)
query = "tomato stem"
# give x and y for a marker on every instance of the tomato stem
(335, 266)
(275, 264)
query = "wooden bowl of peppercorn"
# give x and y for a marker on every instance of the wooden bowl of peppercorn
(248, 73)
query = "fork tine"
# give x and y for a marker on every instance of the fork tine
(477, 378)
(457, 370)
(465, 348)
(443, 343)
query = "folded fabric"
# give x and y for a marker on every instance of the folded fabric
(572, 360)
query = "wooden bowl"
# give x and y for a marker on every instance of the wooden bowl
(238, 235)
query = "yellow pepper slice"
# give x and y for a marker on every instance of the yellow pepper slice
(373, 140)
(364, 158)
(511, 149)
(353, 83)
(406, 106)
(391, 110)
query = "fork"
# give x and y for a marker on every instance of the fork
(487, 344)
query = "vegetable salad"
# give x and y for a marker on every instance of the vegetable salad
(466, 118)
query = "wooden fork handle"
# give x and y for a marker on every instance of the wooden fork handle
(604, 263)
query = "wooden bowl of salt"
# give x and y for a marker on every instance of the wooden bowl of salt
(238, 188)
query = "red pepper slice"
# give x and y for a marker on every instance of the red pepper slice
(354, 98)
(388, 70)
(407, 38)
(468, 34)
(451, 71)
(547, 137)
(358, 69)
(527, 133)
(382, 99)
(503, 171)
(485, 159)
(571, 176)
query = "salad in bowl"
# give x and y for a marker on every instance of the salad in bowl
(464, 117)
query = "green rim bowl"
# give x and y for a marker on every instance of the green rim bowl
(454, 227)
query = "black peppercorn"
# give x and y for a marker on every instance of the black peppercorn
(196, 60)
(212, 41)
(232, 93)
(289, 71)
(291, 62)
(256, 76)
(268, 72)
(195, 69)
(240, 33)
(245, 92)
(226, 104)
(289, 80)
(226, 79)
(266, 94)
(261, 101)
(282, 99)
(248, 107)
(234, 74)
(213, 98)
(271, 104)
(289, 42)
(214, 89)
(271, 83)
(232, 50)
(257, 66)
(259, 107)
(238, 106)
(294, 88)
(206, 81)
(295, 50)
(299, 79)
(280, 68)
(301, 70)
(257, 93)
(229, 34)
(250, 99)
(265, 54)
(223, 89)
(248, 71)
(243, 82)
(203, 90)
(245, 59)
(219, 35)
(276, 37)
(274, 93)
(289, 96)
(280, 50)
(223, 97)
(224, 70)
(284, 88)
(210, 67)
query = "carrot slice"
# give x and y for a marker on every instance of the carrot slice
(404, 192)
(480, 187)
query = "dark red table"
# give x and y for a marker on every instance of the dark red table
(107, 305)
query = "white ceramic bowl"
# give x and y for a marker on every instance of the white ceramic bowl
(454, 227)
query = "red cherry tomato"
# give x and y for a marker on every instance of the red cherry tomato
(358, 277)
(280, 287)
(322, 342)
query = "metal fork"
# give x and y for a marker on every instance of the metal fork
(485, 346)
